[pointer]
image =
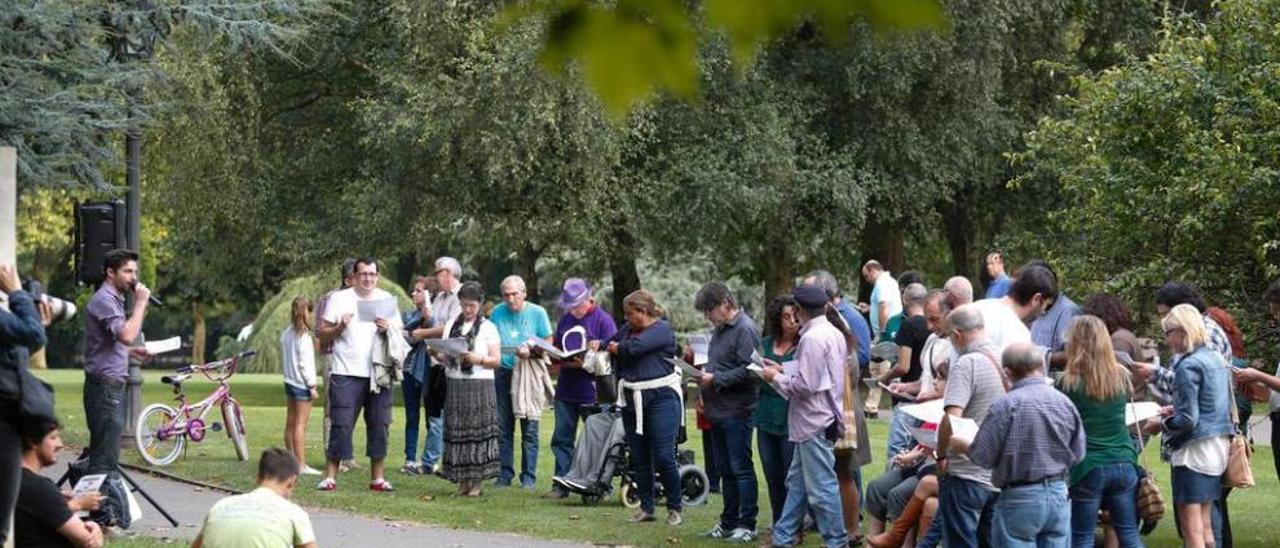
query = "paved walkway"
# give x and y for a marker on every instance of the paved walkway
(188, 504)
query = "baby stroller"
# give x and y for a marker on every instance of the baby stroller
(602, 453)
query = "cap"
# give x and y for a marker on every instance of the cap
(575, 292)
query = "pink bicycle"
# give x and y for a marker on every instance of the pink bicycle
(162, 431)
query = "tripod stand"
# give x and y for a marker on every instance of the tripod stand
(132, 486)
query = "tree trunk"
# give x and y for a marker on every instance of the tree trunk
(622, 267)
(959, 240)
(887, 246)
(529, 269)
(779, 271)
(198, 333)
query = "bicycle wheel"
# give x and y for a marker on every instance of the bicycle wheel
(156, 442)
(235, 427)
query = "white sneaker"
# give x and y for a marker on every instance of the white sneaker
(309, 471)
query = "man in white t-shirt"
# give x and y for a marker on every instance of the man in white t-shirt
(354, 336)
(886, 297)
(264, 516)
(1007, 318)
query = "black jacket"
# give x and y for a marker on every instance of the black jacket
(21, 333)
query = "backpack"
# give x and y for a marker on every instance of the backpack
(114, 509)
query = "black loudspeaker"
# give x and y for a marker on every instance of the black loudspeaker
(100, 227)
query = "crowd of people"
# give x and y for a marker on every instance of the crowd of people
(1054, 460)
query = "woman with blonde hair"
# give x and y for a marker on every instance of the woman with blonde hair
(1197, 427)
(298, 360)
(1107, 477)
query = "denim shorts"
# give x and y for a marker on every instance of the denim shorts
(1191, 487)
(296, 394)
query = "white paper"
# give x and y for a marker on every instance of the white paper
(454, 347)
(91, 483)
(135, 509)
(759, 371)
(699, 344)
(552, 351)
(685, 367)
(165, 345)
(371, 310)
(1141, 411)
(930, 411)
(927, 438)
(963, 429)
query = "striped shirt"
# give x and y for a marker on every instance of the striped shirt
(1033, 433)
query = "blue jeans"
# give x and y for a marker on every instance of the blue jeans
(732, 439)
(506, 436)
(656, 448)
(104, 411)
(412, 390)
(812, 484)
(965, 507)
(1114, 486)
(900, 439)
(568, 415)
(775, 460)
(1037, 515)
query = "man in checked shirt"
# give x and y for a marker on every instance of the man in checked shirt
(1030, 440)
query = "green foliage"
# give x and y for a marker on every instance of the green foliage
(1168, 165)
(629, 49)
(274, 317)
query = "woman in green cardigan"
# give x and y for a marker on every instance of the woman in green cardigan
(782, 333)
(1107, 477)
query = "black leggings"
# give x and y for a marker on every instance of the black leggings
(10, 466)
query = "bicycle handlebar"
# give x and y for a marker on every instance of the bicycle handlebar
(226, 363)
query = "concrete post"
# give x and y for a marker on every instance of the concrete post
(8, 205)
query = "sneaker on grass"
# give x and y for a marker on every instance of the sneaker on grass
(381, 485)
(309, 471)
(742, 535)
(411, 468)
(716, 532)
(327, 484)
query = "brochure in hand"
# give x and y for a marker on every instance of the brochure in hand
(685, 367)
(453, 347)
(552, 351)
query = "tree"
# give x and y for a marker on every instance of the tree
(1167, 165)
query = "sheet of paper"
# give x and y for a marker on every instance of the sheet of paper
(685, 367)
(926, 437)
(759, 371)
(371, 310)
(963, 429)
(552, 351)
(1141, 411)
(454, 347)
(930, 411)
(699, 344)
(91, 483)
(904, 396)
(165, 345)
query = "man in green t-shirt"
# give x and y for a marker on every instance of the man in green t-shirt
(264, 517)
(517, 321)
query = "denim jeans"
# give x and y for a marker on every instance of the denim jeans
(568, 415)
(712, 468)
(656, 448)
(775, 460)
(1032, 516)
(104, 410)
(1115, 487)
(413, 414)
(811, 484)
(732, 439)
(506, 436)
(965, 507)
(900, 439)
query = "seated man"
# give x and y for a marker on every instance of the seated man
(262, 517)
(45, 517)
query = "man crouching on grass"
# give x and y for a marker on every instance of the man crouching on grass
(263, 517)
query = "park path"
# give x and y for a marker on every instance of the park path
(188, 504)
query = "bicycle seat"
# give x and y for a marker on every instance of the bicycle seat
(174, 379)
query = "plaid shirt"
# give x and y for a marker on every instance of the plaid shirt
(1162, 379)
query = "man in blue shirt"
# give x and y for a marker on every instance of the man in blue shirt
(1000, 282)
(517, 321)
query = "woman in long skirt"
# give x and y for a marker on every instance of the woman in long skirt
(470, 408)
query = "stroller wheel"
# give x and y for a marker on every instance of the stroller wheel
(694, 485)
(629, 495)
(592, 500)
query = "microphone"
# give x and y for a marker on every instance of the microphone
(150, 298)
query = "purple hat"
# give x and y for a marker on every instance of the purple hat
(575, 292)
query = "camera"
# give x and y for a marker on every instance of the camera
(62, 309)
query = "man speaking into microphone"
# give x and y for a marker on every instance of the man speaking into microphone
(108, 340)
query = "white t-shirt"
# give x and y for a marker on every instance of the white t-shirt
(1003, 326)
(488, 335)
(886, 295)
(1207, 456)
(353, 349)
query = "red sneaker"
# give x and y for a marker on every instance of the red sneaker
(381, 485)
(327, 484)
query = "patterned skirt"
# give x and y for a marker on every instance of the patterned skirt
(470, 430)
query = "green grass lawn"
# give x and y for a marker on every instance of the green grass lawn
(430, 500)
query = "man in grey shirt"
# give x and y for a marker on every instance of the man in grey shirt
(965, 492)
(108, 336)
(444, 307)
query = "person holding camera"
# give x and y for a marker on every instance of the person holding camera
(108, 338)
(21, 332)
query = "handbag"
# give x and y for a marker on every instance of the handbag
(1150, 500)
(1239, 474)
(849, 440)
